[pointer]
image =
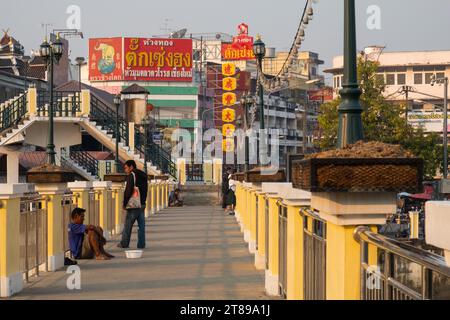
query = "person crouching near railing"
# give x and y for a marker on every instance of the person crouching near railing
(86, 241)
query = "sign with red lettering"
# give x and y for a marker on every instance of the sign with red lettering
(241, 48)
(158, 59)
(105, 59)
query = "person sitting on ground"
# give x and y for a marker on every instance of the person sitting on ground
(86, 241)
(175, 199)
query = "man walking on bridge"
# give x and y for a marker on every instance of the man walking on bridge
(134, 201)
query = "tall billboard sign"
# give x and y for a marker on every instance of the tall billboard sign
(105, 59)
(158, 59)
(241, 48)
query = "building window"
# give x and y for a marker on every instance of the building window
(313, 71)
(401, 79)
(380, 78)
(428, 77)
(440, 75)
(390, 79)
(418, 78)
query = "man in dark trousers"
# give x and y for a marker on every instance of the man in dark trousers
(225, 186)
(134, 214)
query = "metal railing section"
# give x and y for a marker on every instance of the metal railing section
(314, 255)
(11, 113)
(33, 235)
(282, 248)
(85, 160)
(157, 155)
(105, 116)
(66, 103)
(402, 272)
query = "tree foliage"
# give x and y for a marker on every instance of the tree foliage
(383, 121)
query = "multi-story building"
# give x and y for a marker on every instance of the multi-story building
(408, 75)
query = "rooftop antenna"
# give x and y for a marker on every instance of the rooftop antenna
(166, 28)
(46, 25)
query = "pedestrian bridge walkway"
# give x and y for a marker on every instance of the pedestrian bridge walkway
(192, 253)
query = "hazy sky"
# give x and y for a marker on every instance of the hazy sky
(405, 24)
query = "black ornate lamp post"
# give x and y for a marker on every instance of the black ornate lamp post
(52, 53)
(117, 101)
(259, 49)
(350, 121)
(247, 101)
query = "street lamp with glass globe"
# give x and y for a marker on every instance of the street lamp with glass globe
(51, 53)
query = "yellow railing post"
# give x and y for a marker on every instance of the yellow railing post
(85, 103)
(118, 188)
(148, 208)
(54, 193)
(158, 195)
(81, 190)
(166, 194)
(217, 169)
(260, 254)
(271, 283)
(238, 211)
(294, 200)
(102, 188)
(252, 218)
(208, 172)
(11, 277)
(272, 191)
(343, 212)
(32, 101)
(153, 196)
(181, 167)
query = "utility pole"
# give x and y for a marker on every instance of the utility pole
(406, 90)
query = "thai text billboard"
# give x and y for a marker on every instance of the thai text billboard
(158, 59)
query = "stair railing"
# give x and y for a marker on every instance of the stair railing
(66, 103)
(84, 159)
(106, 117)
(157, 155)
(13, 112)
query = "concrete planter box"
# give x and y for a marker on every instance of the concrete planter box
(256, 176)
(115, 177)
(358, 175)
(50, 174)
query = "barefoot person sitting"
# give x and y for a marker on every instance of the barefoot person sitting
(175, 199)
(86, 241)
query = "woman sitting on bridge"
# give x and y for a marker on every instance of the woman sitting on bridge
(86, 241)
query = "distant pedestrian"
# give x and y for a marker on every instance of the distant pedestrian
(175, 198)
(225, 185)
(134, 202)
(230, 198)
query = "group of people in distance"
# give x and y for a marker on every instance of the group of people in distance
(88, 241)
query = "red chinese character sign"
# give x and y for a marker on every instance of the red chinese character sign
(158, 59)
(105, 59)
(241, 48)
(229, 84)
(228, 115)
